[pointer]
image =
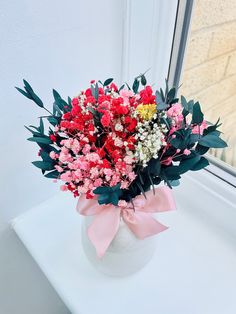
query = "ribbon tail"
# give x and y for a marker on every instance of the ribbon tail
(143, 224)
(103, 229)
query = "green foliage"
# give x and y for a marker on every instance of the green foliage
(43, 140)
(29, 93)
(95, 91)
(60, 105)
(108, 195)
(212, 140)
(165, 99)
(108, 81)
(197, 116)
(143, 80)
(52, 174)
(135, 86)
(44, 165)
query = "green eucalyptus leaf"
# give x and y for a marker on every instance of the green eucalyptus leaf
(122, 86)
(24, 93)
(174, 182)
(184, 103)
(202, 163)
(28, 87)
(187, 164)
(212, 140)
(143, 80)
(53, 120)
(108, 81)
(41, 126)
(44, 165)
(162, 106)
(171, 95)
(43, 140)
(33, 132)
(201, 149)
(52, 175)
(197, 117)
(135, 86)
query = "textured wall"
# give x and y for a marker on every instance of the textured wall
(210, 67)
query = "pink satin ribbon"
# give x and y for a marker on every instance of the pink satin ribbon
(106, 221)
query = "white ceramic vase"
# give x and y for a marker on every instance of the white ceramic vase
(125, 255)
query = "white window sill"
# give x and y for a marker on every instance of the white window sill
(193, 270)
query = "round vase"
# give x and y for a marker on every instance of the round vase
(126, 254)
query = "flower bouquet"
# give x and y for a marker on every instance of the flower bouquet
(112, 146)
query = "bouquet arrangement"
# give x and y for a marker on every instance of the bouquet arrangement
(113, 144)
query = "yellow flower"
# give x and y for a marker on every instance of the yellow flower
(146, 111)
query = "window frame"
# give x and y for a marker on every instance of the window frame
(181, 34)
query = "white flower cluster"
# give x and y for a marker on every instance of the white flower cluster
(150, 139)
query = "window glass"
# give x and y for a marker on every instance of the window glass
(209, 73)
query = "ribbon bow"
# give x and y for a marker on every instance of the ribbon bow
(139, 219)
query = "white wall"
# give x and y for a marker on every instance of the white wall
(60, 44)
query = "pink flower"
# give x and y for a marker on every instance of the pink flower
(132, 176)
(92, 157)
(187, 152)
(175, 113)
(199, 129)
(126, 94)
(128, 160)
(75, 146)
(58, 168)
(86, 149)
(124, 185)
(94, 173)
(66, 177)
(167, 161)
(108, 172)
(98, 182)
(53, 155)
(122, 203)
(175, 110)
(63, 188)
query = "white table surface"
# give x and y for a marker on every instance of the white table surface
(192, 272)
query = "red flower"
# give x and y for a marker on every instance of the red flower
(76, 110)
(90, 127)
(91, 100)
(147, 96)
(114, 87)
(67, 116)
(106, 163)
(52, 137)
(75, 101)
(88, 92)
(101, 152)
(106, 120)
(89, 195)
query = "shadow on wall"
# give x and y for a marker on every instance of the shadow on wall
(20, 275)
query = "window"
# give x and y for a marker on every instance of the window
(208, 72)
